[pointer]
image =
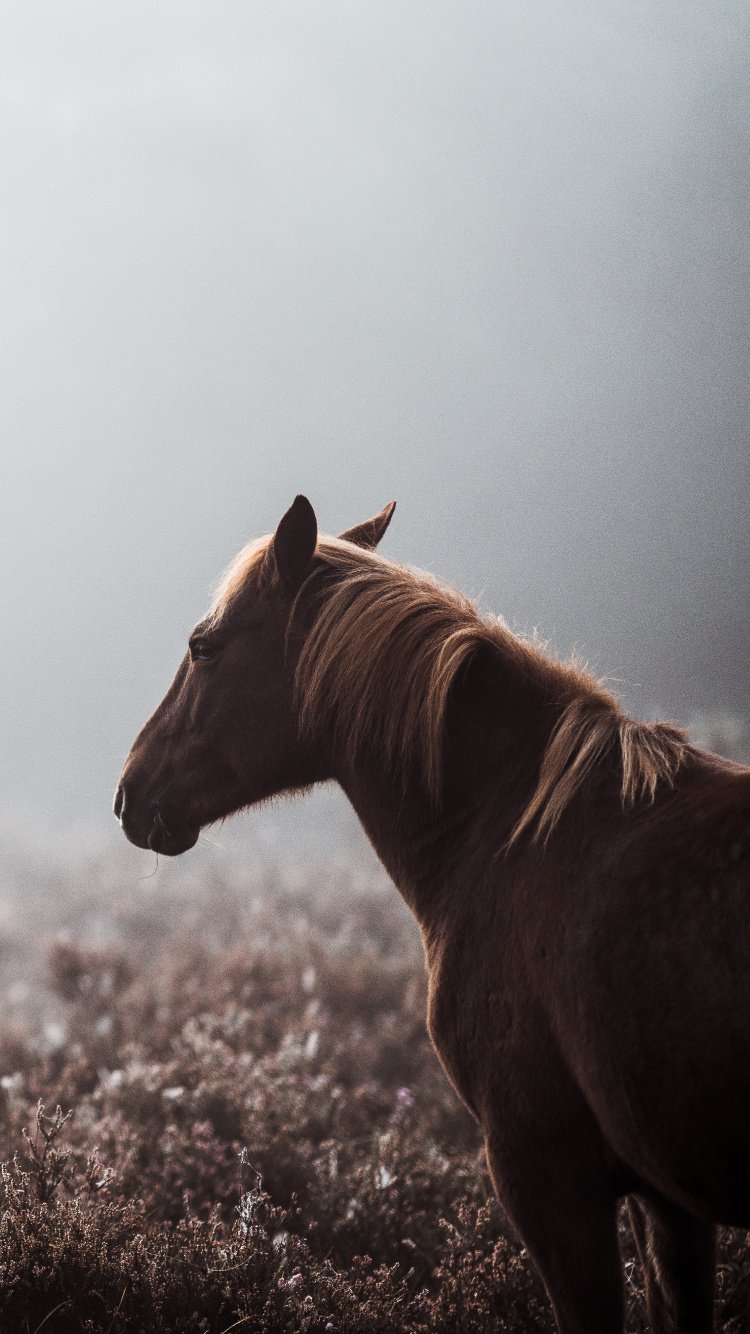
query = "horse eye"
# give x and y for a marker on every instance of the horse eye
(202, 651)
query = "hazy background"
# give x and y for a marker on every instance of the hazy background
(490, 259)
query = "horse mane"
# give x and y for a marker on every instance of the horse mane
(385, 647)
(236, 577)
(650, 753)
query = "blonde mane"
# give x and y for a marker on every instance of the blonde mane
(387, 644)
(234, 579)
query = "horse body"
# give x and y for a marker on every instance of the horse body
(642, 1033)
(589, 991)
(659, 1020)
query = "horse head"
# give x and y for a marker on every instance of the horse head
(227, 733)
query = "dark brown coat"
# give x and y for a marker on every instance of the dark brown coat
(580, 880)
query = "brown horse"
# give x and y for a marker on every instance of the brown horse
(580, 880)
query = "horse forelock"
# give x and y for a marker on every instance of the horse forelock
(386, 643)
(236, 577)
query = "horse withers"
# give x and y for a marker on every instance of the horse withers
(580, 881)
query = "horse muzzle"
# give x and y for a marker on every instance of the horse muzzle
(148, 826)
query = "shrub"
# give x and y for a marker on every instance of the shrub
(261, 1136)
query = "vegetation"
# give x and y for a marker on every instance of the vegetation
(260, 1131)
(221, 1111)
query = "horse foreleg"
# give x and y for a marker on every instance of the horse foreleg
(570, 1230)
(678, 1254)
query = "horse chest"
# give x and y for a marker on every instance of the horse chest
(475, 1012)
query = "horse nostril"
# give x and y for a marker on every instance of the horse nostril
(119, 802)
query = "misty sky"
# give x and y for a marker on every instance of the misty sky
(489, 259)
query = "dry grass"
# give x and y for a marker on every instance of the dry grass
(261, 1138)
(261, 1132)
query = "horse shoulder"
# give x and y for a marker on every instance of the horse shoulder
(482, 1013)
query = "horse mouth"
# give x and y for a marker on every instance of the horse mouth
(171, 840)
(155, 830)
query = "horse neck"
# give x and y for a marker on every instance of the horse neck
(498, 727)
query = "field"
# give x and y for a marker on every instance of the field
(260, 1136)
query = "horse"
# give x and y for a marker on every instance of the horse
(580, 880)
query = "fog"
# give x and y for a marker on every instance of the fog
(489, 259)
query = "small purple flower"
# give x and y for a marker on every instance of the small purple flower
(295, 1280)
(404, 1097)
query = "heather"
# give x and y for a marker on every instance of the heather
(221, 1110)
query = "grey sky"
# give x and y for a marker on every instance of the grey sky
(490, 259)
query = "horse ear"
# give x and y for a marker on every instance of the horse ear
(293, 543)
(370, 533)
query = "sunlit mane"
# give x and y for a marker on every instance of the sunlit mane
(235, 577)
(386, 646)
